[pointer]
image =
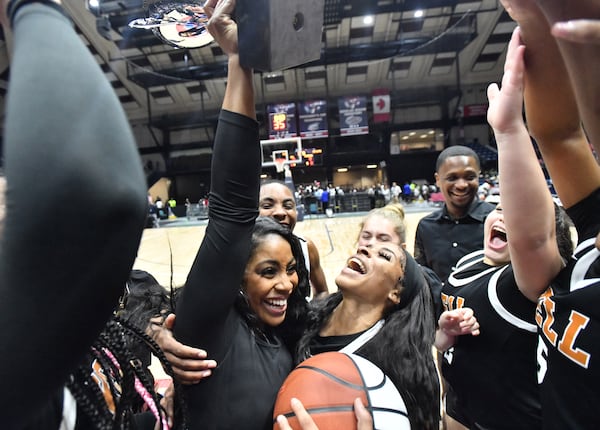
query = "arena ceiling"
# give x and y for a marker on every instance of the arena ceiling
(449, 44)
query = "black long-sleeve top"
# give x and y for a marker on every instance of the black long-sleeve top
(242, 389)
(76, 204)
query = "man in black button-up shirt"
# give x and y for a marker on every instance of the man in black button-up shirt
(455, 230)
(446, 235)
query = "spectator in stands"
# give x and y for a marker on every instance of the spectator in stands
(386, 193)
(324, 199)
(425, 191)
(407, 192)
(396, 191)
(339, 198)
(371, 194)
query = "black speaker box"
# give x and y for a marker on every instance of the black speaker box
(279, 34)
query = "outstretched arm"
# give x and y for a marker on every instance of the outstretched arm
(239, 93)
(207, 303)
(527, 205)
(76, 206)
(582, 60)
(551, 107)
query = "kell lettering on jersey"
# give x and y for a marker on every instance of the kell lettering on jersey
(562, 339)
(452, 302)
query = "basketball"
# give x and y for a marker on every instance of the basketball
(327, 385)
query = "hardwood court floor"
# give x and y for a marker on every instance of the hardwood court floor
(335, 239)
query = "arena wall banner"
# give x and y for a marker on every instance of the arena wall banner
(353, 115)
(381, 105)
(312, 119)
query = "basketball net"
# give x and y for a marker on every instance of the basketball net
(288, 172)
(280, 165)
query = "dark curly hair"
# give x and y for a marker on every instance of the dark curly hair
(144, 298)
(122, 354)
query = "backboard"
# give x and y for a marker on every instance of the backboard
(288, 149)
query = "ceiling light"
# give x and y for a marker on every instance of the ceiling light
(404, 137)
(368, 20)
(342, 169)
(412, 133)
(371, 166)
(93, 6)
(419, 13)
(431, 131)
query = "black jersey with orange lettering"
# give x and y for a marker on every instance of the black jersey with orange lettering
(568, 318)
(493, 374)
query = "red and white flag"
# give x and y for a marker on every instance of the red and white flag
(381, 105)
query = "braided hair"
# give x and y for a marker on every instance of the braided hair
(104, 383)
(113, 381)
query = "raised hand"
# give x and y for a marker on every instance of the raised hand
(521, 10)
(506, 105)
(459, 322)
(221, 26)
(454, 323)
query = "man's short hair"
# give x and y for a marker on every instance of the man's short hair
(456, 151)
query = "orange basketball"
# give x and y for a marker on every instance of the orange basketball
(327, 385)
